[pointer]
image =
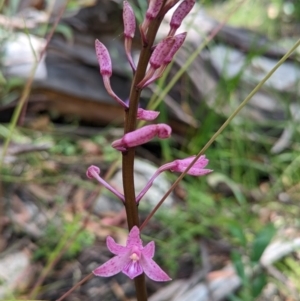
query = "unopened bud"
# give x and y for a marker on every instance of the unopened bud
(153, 9)
(129, 20)
(93, 172)
(179, 39)
(180, 13)
(161, 51)
(103, 59)
(142, 135)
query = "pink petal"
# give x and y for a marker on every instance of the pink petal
(112, 266)
(115, 248)
(200, 163)
(164, 131)
(152, 270)
(133, 239)
(147, 115)
(132, 269)
(149, 249)
(197, 172)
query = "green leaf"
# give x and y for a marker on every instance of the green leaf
(66, 31)
(2, 79)
(234, 298)
(237, 232)
(258, 284)
(236, 258)
(261, 241)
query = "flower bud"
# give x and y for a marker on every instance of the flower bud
(129, 20)
(151, 13)
(103, 59)
(142, 135)
(106, 70)
(153, 9)
(93, 172)
(180, 13)
(146, 115)
(161, 51)
(179, 39)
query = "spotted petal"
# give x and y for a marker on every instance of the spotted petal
(149, 250)
(115, 248)
(134, 238)
(113, 266)
(152, 270)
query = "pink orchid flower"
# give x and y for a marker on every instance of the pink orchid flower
(132, 260)
(198, 169)
(179, 165)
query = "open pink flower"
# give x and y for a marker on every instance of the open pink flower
(132, 260)
(198, 168)
(179, 165)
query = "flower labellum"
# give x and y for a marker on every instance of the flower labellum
(132, 260)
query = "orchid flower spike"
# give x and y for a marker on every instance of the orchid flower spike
(132, 260)
(104, 61)
(142, 135)
(129, 30)
(93, 172)
(180, 13)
